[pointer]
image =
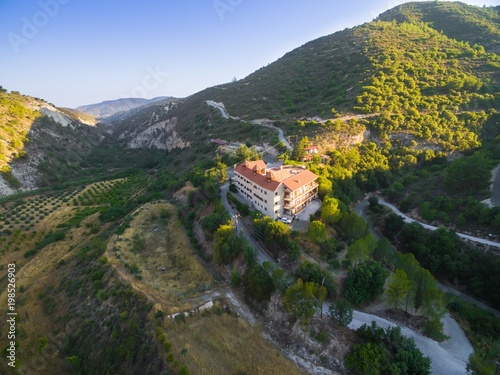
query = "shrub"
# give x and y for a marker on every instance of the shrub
(365, 282)
(257, 283)
(235, 278)
(340, 312)
(386, 351)
(308, 271)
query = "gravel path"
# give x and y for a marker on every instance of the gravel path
(360, 209)
(431, 227)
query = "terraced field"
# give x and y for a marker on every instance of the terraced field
(24, 222)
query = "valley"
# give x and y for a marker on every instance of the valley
(136, 251)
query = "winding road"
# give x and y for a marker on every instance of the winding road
(262, 255)
(447, 358)
(262, 122)
(360, 209)
(431, 227)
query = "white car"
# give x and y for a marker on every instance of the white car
(286, 220)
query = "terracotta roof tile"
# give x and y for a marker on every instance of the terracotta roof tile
(246, 170)
(303, 178)
(292, 178)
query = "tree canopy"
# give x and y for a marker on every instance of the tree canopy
(398, 289)
(365, 282)
(317, 231)
(330, 212)
(386, 352)
(303, 298)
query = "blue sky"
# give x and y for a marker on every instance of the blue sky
(75, 52)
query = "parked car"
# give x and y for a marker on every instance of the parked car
(286, 220)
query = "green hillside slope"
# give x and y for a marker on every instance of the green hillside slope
(17, 114)
(331, 72)
(454, 19)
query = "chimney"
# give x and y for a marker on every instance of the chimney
(269, 176)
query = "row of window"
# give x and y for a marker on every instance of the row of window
(259, 197)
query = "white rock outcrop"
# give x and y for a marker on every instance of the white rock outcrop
(161, 135)
(57, 116)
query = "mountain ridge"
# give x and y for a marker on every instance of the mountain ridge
(110, 107)
(335, 76)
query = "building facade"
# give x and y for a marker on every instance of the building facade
(276, 192)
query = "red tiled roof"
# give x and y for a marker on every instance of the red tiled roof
(310, 148)
(292, 178)
(246, 169)
(303, 178)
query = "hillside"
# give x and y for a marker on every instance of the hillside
(183, 130)
(132, 242)
(109, 263)
(307, 81)
(414, 77)
(330, 72)
(438, 87)
(454, 19)
(35, 137)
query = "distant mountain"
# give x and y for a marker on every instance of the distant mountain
(111, 107)
(124, 115)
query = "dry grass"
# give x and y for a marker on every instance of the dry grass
(181, 195)
(217, 344)
(33, 277)
(310, 247)
(153, 243)
(223, 344)
(28, 221)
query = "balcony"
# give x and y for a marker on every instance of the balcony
(302, 201)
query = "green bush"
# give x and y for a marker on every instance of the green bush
(365, 282)
(308, 271)
(386, 351)
(243, 209)
(258, 283)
